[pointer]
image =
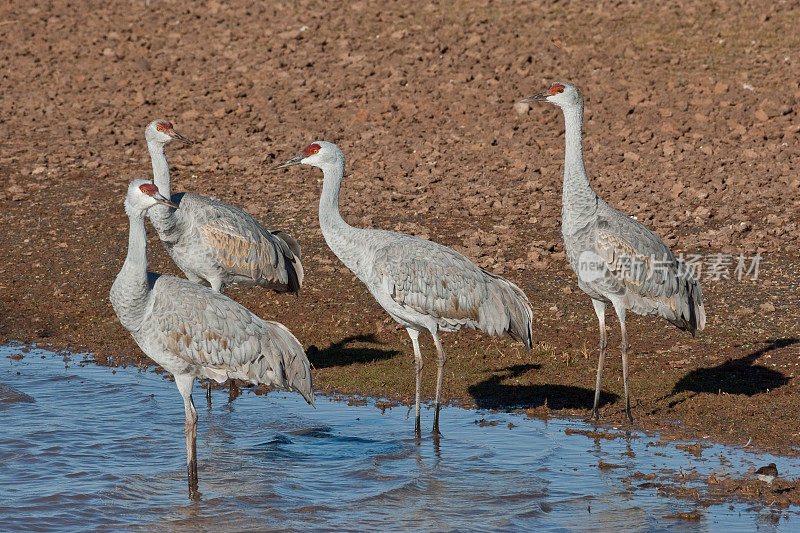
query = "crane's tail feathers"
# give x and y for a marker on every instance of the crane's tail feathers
(686, 309)
(517, 308)
(293, 265)
(289, 366)
(697, 311)
(701, 317)
(689, 299)
(296, 274)
(294, 246)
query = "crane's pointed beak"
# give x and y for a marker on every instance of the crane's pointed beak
(539, 97)
(289, 162)
(158, 197)
(175, 135)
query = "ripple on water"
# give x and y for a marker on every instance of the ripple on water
(85, 448)
(9, 394)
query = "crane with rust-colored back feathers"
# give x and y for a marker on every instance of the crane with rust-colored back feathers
(214, 242)
(617, 260)
(423, 285)
(194, 332)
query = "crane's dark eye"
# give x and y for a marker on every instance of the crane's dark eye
(160, 127)
(316, 151)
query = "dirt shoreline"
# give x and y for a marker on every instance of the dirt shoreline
(706, 96)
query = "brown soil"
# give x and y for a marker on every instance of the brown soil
(717, 488)
(692, 125)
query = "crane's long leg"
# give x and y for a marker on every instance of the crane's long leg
(600, 310)
(233, 390)
(216, 285)
(418, 364)
(184, 383)
(623, 346)
(440, 361)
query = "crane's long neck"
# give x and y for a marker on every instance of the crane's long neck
(130, 289)
(160, 215)
(160, 169)
(339, 235)
(579, 201)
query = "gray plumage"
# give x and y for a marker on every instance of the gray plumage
(423, 285)
(194, 332)
(219, 339)
(617, 260)
(665, 288)
(214, 242)
(441, 284)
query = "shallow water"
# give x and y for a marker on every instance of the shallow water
(89, 447)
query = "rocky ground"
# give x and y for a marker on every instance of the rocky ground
(692, 126)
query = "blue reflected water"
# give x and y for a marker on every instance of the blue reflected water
(87, 447)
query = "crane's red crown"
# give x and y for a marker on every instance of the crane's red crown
(555, 89)
(164, 126)
(148, 188)
(311, 149)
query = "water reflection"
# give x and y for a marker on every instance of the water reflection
(85, 448)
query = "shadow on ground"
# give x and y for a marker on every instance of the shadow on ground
(737, 376)
(492, 393)
(341, 354)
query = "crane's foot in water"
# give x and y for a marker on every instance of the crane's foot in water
(435, 430)
(191, 470)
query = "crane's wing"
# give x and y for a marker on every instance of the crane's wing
(246, 248)
(441, 283)
(211, 331)
(645, 273)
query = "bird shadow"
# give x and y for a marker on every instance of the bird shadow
(492, 393)
(737, 376)
(340, 354)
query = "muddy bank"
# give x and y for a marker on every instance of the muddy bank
(692, 122)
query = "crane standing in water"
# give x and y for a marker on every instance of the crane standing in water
(194, 332)
(214, 242)
(423, 285)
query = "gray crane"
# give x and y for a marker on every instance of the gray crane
(617, 260)
(214, 242)
(423, 285)
(194, 332)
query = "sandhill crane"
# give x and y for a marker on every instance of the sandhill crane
(617, 260)
(424, 286)
(214, 242)
(194, 332)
